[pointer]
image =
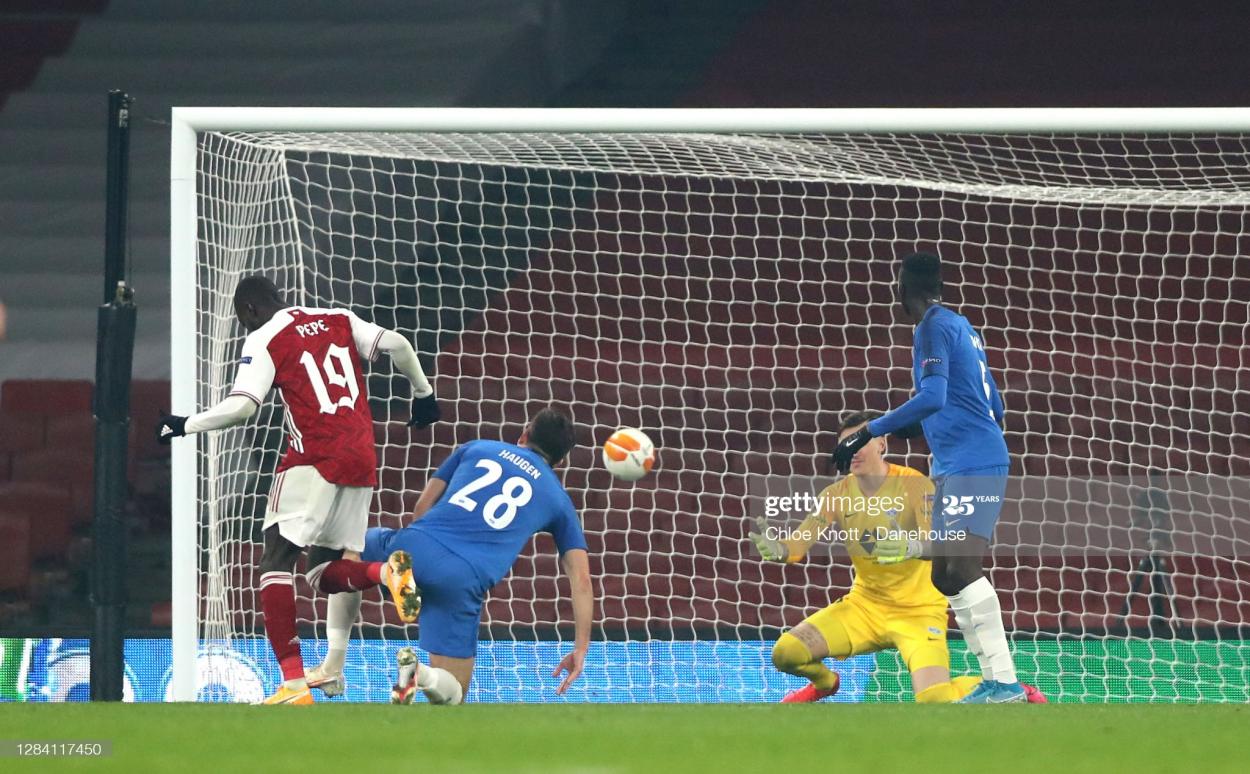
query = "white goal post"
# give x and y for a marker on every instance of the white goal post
(976, 179)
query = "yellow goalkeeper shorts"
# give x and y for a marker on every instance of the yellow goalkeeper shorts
(854, 625)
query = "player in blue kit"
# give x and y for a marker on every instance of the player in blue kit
(476, 514)
(960, 412)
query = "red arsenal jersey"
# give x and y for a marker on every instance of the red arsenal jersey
(312, 358)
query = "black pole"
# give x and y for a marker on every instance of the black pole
(115, 341)
(117, 186)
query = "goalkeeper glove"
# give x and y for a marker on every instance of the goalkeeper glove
(896, 550)
(425, 412)
(169, 427)
(848, 446)
(770, 550)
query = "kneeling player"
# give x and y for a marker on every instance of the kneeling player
(889, 605)
(477, 513)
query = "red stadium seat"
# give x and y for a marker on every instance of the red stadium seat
(21, 432)
(71, 432)
(49, 510)
(31, 31)
(71, 470)
(45, 396)
(149, 399)
(15, 550)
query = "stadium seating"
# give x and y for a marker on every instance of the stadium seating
(15, 536)
(1031, 55)
(47, 452)
(48, 508)
(33, 30)
(62, 56)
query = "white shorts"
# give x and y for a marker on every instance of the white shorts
(310, 511)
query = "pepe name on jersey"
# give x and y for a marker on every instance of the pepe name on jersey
(314, 328)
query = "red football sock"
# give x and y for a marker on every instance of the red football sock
(277, 601)
(349, 575)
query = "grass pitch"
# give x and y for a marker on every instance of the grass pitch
(644, 738)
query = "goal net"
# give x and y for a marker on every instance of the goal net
(732, 296)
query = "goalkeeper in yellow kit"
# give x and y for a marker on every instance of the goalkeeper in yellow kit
(875, 511)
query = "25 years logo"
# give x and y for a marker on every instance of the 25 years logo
(957, 505)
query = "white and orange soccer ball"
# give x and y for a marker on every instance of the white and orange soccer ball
(628, 454)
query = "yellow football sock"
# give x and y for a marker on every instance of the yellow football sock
(942, 693)
(948, 693)
(791, 656)
(964, 685)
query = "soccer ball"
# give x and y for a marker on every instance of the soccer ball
(628, 454)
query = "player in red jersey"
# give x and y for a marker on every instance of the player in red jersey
(320, 498)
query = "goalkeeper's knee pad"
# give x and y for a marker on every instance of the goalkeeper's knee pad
(790, 652)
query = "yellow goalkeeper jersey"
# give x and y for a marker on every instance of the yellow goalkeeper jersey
(901, 505)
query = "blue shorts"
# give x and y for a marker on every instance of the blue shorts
(451, 593)
(969, 501)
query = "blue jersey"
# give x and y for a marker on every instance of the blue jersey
(498, 495)
(965, 433)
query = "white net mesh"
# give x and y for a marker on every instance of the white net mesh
(731, 295)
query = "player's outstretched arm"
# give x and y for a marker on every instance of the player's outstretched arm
(576, 564)
(370, 339)
(252, 381)
(909, 432)
(234, 410)
(425, 410)
(929, 399)
(931, 353)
